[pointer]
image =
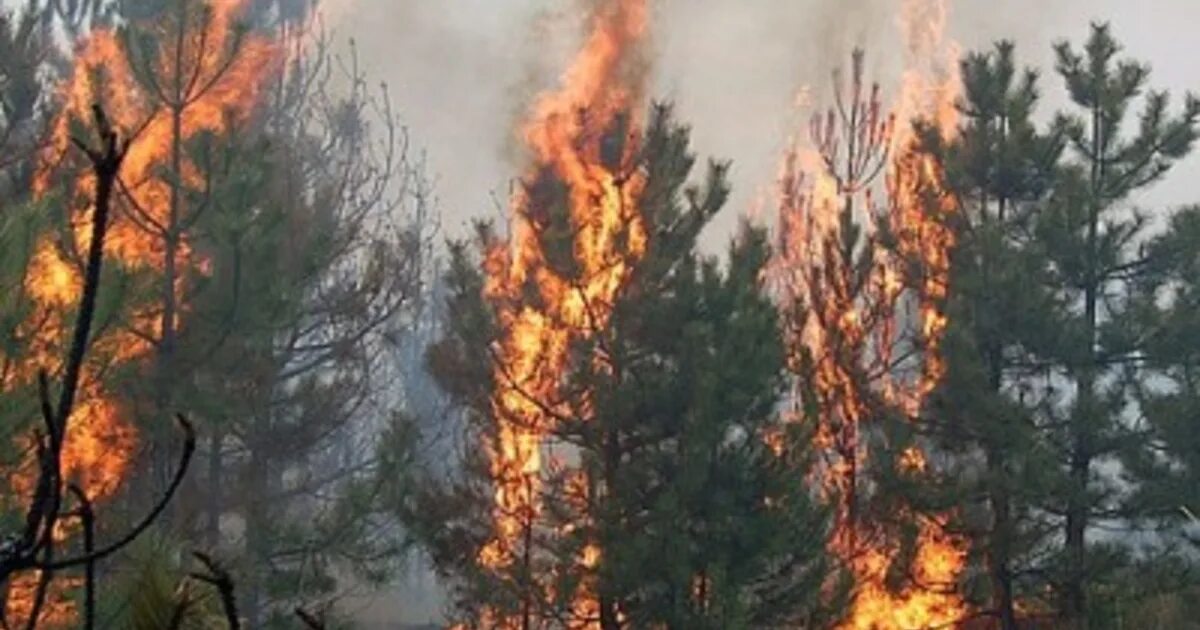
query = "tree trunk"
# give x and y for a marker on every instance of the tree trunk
(1000, 552)
(1080, 455)
(609, 619)
(212, 525)
(530, 593)
(256, 535)
(165, 348)
(1000, 546)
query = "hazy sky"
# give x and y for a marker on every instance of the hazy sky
(460, 70)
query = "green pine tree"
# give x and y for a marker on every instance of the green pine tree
(695, 498)
(1165, 474)
(982, 418)
(1167, 311)
(1090, 237)
(316, 235)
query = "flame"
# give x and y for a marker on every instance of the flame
(849, 329)
(198, 88)
(931, 91)
(565, 134)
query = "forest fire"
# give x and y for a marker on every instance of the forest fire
(847, 303)
(205, 83)
(543, 305)
(948, 383)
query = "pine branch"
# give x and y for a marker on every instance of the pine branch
(219, 579)
(189, 449)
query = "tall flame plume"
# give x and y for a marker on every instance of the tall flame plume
(862, 314)
(198, 86)
(543, 307)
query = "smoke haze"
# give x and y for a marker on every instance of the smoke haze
(461, 72)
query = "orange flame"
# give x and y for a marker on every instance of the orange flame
(566, 135)
(850, 328)
(197, 84)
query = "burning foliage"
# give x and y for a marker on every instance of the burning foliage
(204, 84)
(861, 271)
(627, 416)
(165, 83)
(654, 438)
(579, 138)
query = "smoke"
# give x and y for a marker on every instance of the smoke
(453, 70)
(747, 75)
(463, 72)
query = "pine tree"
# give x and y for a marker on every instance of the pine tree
(318, 226)
(1089, 238)
(1043, 245)
(27, 56)
(1166, 311)
(1164, 471)
(860, 275)
(982, 418)
(23, 43)
(277, 245)
(678, 499)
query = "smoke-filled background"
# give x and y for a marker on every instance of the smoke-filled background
(460, 72)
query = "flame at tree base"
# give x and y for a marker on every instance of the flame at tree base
(930, 601)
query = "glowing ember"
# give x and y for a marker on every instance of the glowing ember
(566, 135)
(851, 331)
(204, 82)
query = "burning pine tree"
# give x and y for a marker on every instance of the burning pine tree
(861, 274)
(261, 249)
(191, 72)
(627, 465)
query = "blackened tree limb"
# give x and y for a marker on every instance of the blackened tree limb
(219, 578)
(47, 502)
(42, 589)
(189, 449)
(106, 164)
